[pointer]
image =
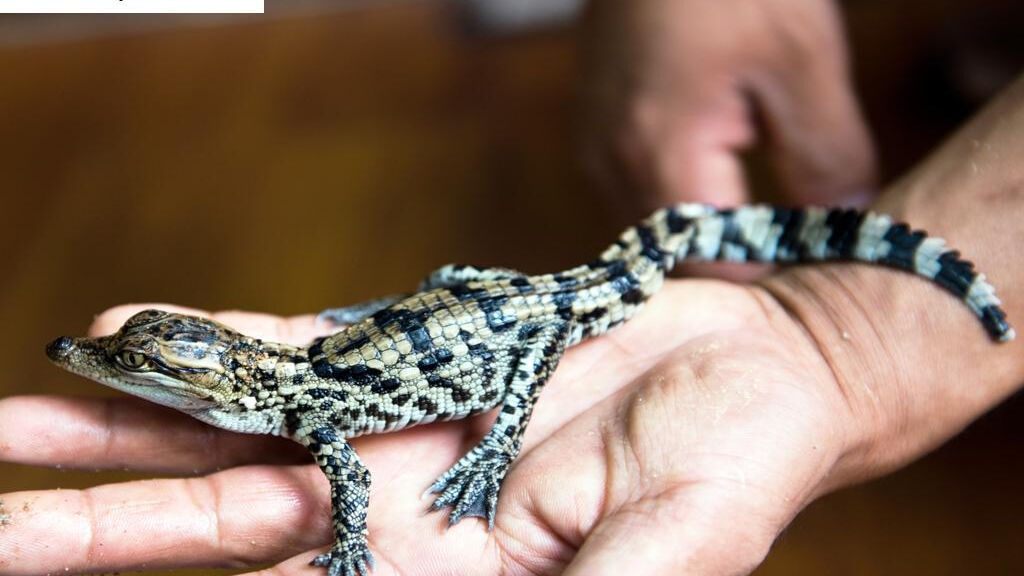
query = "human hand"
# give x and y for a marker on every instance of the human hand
(681, 442)
(674, 90)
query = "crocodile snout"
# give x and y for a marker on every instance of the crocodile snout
(60, 347)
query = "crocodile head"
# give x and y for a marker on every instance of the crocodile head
(171, 359)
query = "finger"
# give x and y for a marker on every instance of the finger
(697, 530)
(663, 115)
(816, 133)
(297, 330)
(680, 148)
(693, 147)
(108, 321)
(300, 565)
(126, 433)
(238, 517)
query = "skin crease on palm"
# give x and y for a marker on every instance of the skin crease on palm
(680, 443)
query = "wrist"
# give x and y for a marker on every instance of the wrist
(911, 364)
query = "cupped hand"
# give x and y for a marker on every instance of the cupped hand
(679, 443)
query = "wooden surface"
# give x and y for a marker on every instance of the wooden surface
(292, 164)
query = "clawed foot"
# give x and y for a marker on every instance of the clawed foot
(346, 560)
(471, 486)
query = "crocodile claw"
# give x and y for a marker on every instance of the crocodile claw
(353, 560)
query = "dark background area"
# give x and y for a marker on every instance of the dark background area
(321, 157)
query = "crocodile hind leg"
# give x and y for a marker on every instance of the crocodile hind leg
(356, 312)
(444, 277)
(471, 486)
(455, 274)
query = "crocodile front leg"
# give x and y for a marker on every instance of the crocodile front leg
(350, 492)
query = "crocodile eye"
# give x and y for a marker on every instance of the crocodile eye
(132, 360)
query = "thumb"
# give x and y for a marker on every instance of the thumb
(692, 530)
(813, 127)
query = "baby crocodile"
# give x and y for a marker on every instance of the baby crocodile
(468, 341)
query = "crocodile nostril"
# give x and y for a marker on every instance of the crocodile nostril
(59, 347)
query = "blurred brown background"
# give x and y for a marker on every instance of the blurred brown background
(323, 156)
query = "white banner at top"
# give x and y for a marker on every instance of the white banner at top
(131, 6)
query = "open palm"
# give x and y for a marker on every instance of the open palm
(682, 442)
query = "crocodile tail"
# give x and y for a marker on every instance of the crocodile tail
(760, 233)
